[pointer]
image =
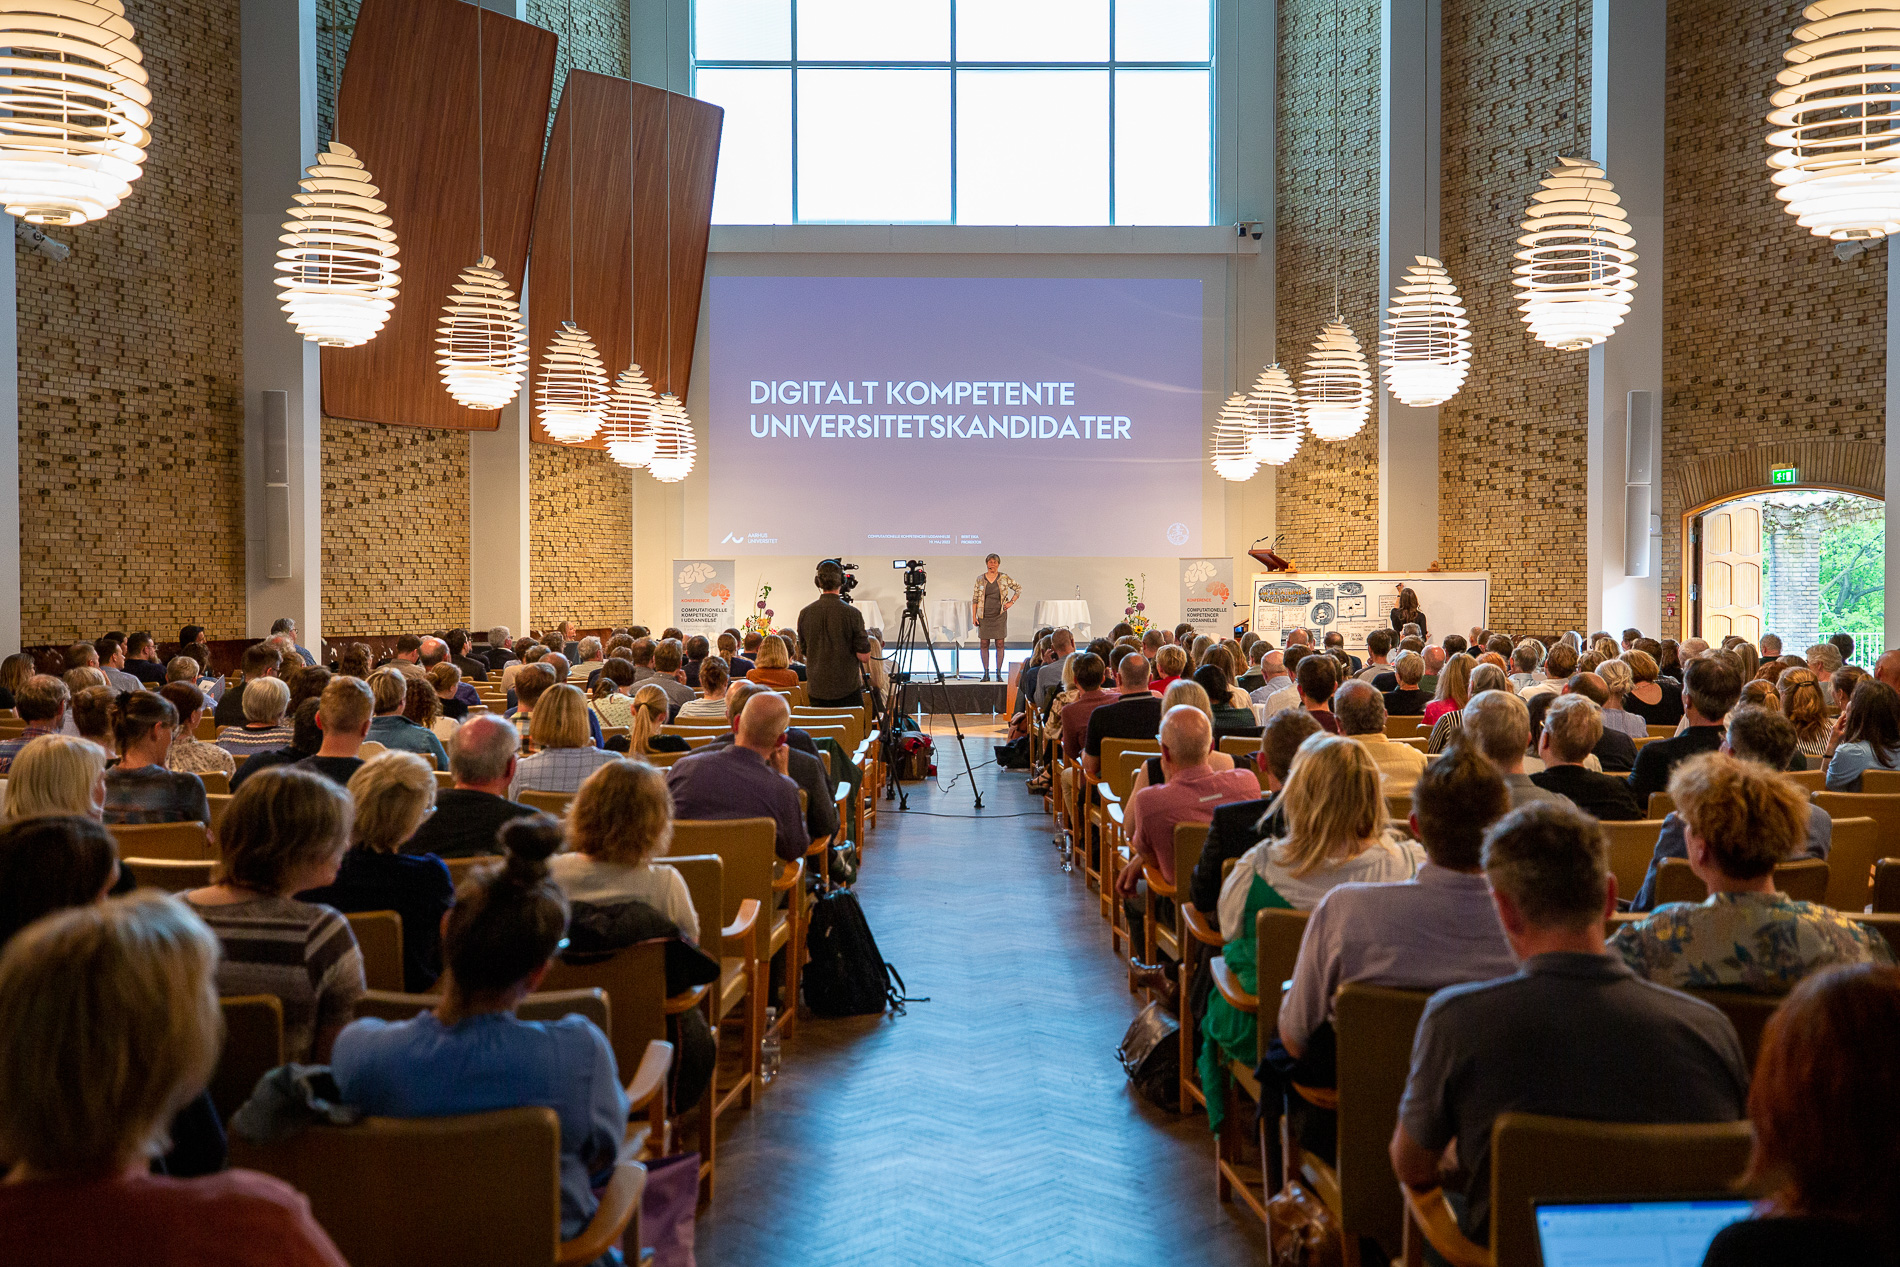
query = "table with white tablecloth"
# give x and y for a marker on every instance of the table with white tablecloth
(950, 620)
(1064, 613)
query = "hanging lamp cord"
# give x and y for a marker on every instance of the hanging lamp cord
(481, 144)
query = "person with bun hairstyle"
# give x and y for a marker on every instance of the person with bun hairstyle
(472, 1054)
(140, 789)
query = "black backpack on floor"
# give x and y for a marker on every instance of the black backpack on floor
(847, 976)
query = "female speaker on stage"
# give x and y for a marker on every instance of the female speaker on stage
(989, 610)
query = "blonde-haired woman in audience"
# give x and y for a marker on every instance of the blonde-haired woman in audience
(1804, 705)
(774, 665)
(393, 794)
(57, 774)
(1616, 683)
(619, 823)
(564, 753)
(1760, 694)
(1648, 699)
(1336, 834)
(1170, 662)
(1197, 651)
(650, 705)
(188, 753)
(14, 671)
(1186, 691)
(94, 1079)
(285, 831)
(1454, 688)
(1052, 720)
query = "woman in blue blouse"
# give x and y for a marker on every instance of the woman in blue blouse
(1867, 737)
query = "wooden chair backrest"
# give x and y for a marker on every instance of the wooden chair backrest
(208, 727)
(1540, 1158)
(695, 729)
(253, 1046)
(1112, 750)
(1637, 741)
(705, 876)
(460, 868)
(215, 781)
(848, 721)
(1857, 846)
(1398, 805)
(1238, 746)
(219, 802)
(745, 846)
(1812, 780)
(1189, 840)
(1804, 881)
(170, 874)
(379, 937)
(182, 842)
(1661, 805)
(661, 760)
(1747, 1011)
(554, 803)
(1375, 1027)
(444, 780)
(1880, 781)
(1660, 732)
(634, 981)
(370, 749)
(1631, 846)
(1405, 728)
(1417, 744)
(1887, 886)
(1277, 933)
(544, 1005)
(481, 1188)
(1882, 807)
(1127, 770)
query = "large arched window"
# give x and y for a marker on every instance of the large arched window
(1083, 112)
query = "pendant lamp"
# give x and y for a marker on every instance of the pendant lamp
(1232, 454)
(674, 446)
(484, 347)
(629, 420)
(337, 269)
(1579, 263)
(1336, 386)
(75, 109)
(573, 386)
(1836, 143)
(1276, 417)
(1426, 346)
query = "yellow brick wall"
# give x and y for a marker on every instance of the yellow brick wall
(395, 528)
(580, 533)
(131, 416)
(1329, 494)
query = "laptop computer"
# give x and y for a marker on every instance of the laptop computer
(1644, 1233)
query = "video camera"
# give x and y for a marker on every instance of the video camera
(913, 570)
(850, 577)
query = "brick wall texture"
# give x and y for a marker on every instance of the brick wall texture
(1329, 493)
(131, 418)
(580, 538)
(395, 528)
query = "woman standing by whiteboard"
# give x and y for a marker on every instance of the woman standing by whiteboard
(989, 609)
(1409, 613)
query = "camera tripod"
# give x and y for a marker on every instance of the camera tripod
(912, 633)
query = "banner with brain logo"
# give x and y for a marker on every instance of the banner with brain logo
(1207, 595)
(702, 596)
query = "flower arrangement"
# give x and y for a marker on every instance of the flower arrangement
(760, 622)
(1132, 614)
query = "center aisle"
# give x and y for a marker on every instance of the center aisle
(991, 1124)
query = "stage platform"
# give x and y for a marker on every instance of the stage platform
(955, 696)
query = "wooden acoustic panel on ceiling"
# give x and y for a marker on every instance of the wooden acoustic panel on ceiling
(408, 106)
(616, 233)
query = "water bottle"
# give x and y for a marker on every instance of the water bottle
(768, 1047)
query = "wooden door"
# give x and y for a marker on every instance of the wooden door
(1731, 598)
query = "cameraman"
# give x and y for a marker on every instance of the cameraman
(836, 647)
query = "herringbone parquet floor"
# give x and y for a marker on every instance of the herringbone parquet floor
(992, 1124)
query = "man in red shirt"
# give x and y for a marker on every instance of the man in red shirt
(1090, 673)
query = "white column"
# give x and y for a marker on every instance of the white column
(10, 634)
(1892, 619)
(498, 488)
(278, 52)
(1628, 47)
(1408, 228)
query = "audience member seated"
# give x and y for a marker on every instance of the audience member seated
(1498, 724)
(260, 661)
(392, 795)
(284, 832)
(109, 659)
(96, 1079)
(1336, 834)
(1574, 1033)
(1647, 697)
(14, 671)
(472, 1054)
(1452, 694)
(141, 661)
(747, 778)
(306, 737)
(1221, 692)
(1616, 750)
(91, 714)
(41, 703)
(1360, 709)
(649, 709)
(1711, 686)
(773, 665)
(1314, 681)
(445, 683)
(1090, 674)
(190, 754)
(265, 728)
(343, 715)
(612, 692)
(463, 657)
(394, 731)
(139, 789)
(1573, 726)
(1826, 1113)
(591, 658)
(469, 816)
(1437, 929)
(1236, 828)
(1407, 698)
(1558, 664)
(1867, 737)
(803, 765)
(729, 652)
(1273, 674)
(712, 676)
(1135, 714)
(1739, 821)
(563, 753)
(1170, 663)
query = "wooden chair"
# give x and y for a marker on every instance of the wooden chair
(1398, 806)
(253, 1046)
(1885, 782)
(459, 868)
(1856, 848)
(370, 749)
(379, 937)
(1747, 1011)
(1238, 746)
(219, 802)
(1886, 923)
(207, 727)
(1173, 939)
(1661, 806)
(1804, 881)
(1882, 807)
(1277, 934)
(1638, 741)
(1812, 780)
(181, 842)
(1660, 732)
(215, 781)
(554, 803)
(1631, 846)
(1887, 887)
(732, 995)
(478, 1189)
(444, 780)
(1541, 1158)
(1377, 1026)
(171, 874)
(1404, 728)
(752, 872)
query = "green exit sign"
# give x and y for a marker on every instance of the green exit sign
(1784, 475)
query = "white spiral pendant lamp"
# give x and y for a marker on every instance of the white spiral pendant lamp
(628, 422)
(674, 446)
(484, 349)
(573, 386)
(75, 109)
(1425, 348)
(1232, 455)
(1836, 115)
(1579, 264)
(1276, 417)
(337, 269)
(1336, 386)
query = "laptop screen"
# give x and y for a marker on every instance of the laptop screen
(1633, 1233)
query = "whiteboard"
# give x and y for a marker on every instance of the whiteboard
(1355, 603)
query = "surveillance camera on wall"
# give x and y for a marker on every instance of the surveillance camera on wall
(31, 238)
(1845, 251)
